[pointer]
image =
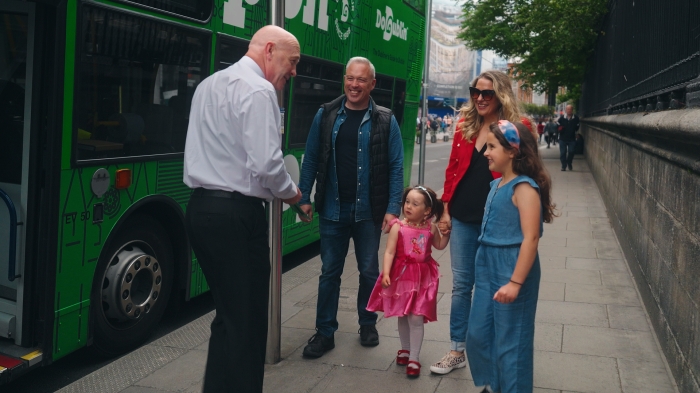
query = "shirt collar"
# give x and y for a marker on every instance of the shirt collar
(250, 63)
(342, 107)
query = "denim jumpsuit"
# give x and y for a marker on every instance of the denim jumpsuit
(500, 337)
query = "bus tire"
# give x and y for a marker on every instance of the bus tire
(132, 285)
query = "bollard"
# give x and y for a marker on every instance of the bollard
(274, 320)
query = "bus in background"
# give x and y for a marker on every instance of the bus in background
(94, 106)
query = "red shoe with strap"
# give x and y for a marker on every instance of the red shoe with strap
(402, 360)
(413, 371)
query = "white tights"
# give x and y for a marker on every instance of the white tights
(411, 334)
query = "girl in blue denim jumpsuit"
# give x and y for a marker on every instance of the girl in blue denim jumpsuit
(502, 320)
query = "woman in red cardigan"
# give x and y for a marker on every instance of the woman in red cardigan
(467, 186)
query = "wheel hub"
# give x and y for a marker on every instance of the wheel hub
(131, 285)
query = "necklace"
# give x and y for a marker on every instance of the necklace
(422, 223)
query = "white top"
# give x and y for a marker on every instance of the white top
(233, 138)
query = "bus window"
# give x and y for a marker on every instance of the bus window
(399, 100)
(199, 10)
(136, 78)
(382, 94)
(229, 51)
(310, 90)
(418, 5)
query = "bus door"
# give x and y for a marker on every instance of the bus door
(16, 49)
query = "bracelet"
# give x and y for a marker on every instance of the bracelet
(515, 282)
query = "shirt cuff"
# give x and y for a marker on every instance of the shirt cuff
(394, 208)
(305, 200)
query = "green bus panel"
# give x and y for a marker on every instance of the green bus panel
(388, 32)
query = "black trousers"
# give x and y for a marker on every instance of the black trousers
(229, 239)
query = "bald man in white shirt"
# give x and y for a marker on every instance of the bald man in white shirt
(234, 163)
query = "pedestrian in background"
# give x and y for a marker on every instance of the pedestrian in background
(500, 340)
(449, 123)
(354, 153)
(234, 163)
(551, 130)
(408, 285)
(467, 185)
(540, 131)
(568, 127)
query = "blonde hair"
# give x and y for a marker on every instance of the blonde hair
(509, 110)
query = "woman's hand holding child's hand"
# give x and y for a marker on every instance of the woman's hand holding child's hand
(386, 281)
(507, 293)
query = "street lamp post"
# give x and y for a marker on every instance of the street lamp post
(274, 320)
(426, 74)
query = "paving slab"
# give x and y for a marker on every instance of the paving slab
(552, 291)
(565, 251)
(345, 379)
(640, 376)
(570, 276)
(628, 318)
(349, 352)
(612, 343)
(616, 265)
(570, 313)
(294, 376)
(601, 294)
(578, 373)
(182, 371)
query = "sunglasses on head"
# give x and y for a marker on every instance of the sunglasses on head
(486, 94)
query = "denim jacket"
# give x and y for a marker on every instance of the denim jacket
(331, 208)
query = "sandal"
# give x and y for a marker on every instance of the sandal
(413, 371)
(402, 360)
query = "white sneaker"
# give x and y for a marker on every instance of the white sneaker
(448, 363)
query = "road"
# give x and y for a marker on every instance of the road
(83, 362)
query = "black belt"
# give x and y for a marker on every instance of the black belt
(226, 194)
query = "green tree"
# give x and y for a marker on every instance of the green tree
(550, 39)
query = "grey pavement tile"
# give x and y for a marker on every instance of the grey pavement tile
(566, 234)
(600, 228)
(345, 379)
(577, 373)
(628, 318)
(289, 309)
(616, 265)
(294, 376)
(449, 385)
(351, 281)
(552, 291)
(444, 306)
(610, 242)
(580, 242)
(189, 336)
(195, 388)
(434, 331)
(597, 214)
(142, 389)
(609, 252)
(617, 343)
(552, 262)
(599, 220)
(570, 313)
(203, 346)
(548, 337)
(617, 278)
(304, 291)
(577, 204)
(644, 377)
(579, 226)
(571, 276)
(349, 352)
(569, 208)
(564, 251)
(179, 374)
(293, 339)
(347, 300)
(605, 235)
(306, 319)
(551, 241)
(601, 294)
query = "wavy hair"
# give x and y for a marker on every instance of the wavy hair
(527, 161)
(509, 110)
(433, 202)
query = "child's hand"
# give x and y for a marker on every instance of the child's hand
(507, 293)
(386, 281)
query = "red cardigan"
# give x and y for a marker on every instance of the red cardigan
(460, 157)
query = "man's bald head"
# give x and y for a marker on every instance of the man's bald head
(277, 53)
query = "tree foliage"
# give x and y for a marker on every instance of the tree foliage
(537, 111)
(551, 39)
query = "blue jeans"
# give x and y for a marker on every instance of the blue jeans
(335, 240)
(463, 246)
(566, 159)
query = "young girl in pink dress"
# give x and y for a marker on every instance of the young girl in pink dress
(407, 287)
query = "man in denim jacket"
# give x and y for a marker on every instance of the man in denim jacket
(354, 152)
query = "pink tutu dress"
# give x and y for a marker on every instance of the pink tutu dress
(414, 277)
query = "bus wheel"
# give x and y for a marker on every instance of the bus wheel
(132, 285)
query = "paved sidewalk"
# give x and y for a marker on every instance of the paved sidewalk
(592, 333)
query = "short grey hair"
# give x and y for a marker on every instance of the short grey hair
(363, 60)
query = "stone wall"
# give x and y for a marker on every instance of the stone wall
(647, 167)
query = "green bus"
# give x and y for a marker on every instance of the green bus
(94, 107)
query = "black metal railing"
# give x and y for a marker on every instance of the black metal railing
(645, 56)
